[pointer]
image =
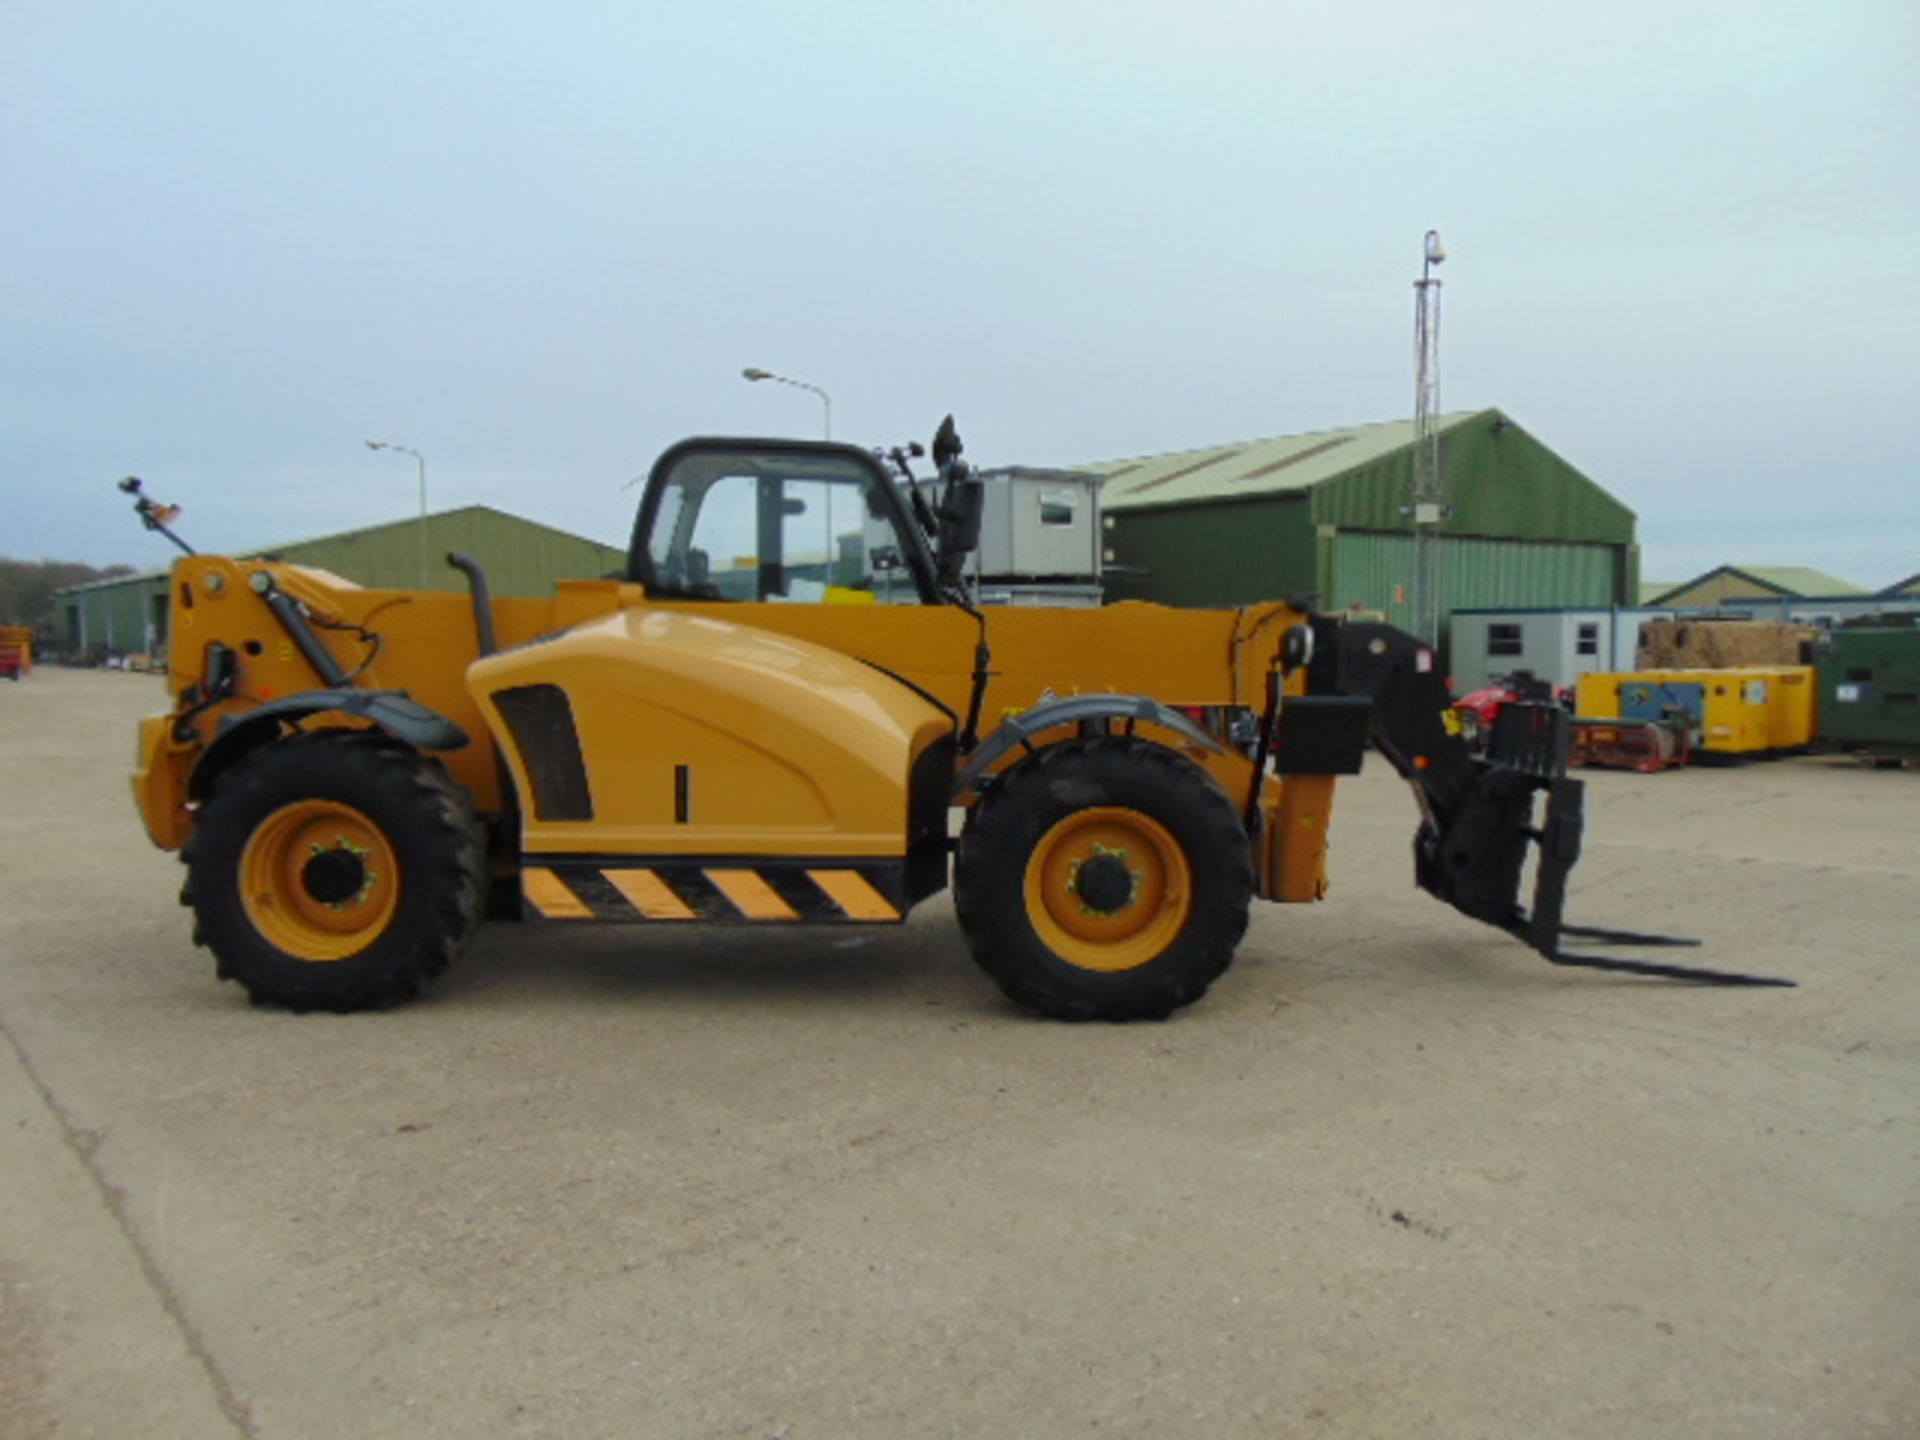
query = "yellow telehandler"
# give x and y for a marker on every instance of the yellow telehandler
(769, 719)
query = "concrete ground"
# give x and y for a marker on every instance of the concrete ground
(1393, 1177)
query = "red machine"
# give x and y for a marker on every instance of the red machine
(1478, 709)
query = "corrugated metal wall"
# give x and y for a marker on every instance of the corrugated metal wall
(1371, 570)
(123, 619)
(519, 556)
(1213, 555)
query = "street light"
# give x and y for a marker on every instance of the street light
(755, 373)
(409, 450)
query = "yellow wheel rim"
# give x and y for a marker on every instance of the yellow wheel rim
(1108, 889)
(319, 880)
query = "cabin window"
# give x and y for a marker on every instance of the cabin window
(772, 528)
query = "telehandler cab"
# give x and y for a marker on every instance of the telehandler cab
(768, 721)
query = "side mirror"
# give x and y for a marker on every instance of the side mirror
(960, 523)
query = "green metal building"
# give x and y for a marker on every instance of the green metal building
(1329, 515)
(521, 557)
(128, 616)
(111, 617)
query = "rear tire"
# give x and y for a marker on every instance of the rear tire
(1104, 879)
(338, 870)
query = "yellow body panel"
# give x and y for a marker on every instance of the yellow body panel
(793, 745)
(1179, 657)
(160, 782)
(427, 640)
(779, 747)
(1297, 855)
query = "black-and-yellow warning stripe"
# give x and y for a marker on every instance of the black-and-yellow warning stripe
(731, 889)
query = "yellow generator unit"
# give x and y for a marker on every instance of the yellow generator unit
(1596, 694)
(750, 728)
(1793, 698)
(1745, 711)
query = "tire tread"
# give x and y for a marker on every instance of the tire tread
(455, 874)
(999, 835)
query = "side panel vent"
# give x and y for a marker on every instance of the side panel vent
(928, 792)
(541, 723)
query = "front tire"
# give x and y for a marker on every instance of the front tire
(337, 870)
(1104, 879)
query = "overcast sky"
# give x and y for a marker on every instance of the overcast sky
(539, 243)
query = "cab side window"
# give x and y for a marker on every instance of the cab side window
(752, 531)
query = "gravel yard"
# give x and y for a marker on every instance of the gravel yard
(1394, 1177)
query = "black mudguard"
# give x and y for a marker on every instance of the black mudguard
(393, 711)
(1075, 710)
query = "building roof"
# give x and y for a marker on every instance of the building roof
(292, 549)
(138, 577)
(1801, 580)
(1908, 586)
(1281, 464)
(1791, 580)
(261, 551)
(1651, 590)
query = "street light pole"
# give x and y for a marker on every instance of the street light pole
(409, 450)
(753, 372)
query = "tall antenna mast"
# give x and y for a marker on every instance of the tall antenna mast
(1429, 485)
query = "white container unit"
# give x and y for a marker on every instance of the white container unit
(1034, 525)
(1039, 524)
(1556, 645)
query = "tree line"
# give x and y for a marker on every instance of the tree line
(27, 586)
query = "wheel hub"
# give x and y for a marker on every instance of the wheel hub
(1105, 882)
(1107, 888)
(336, 875)
(320, 881)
